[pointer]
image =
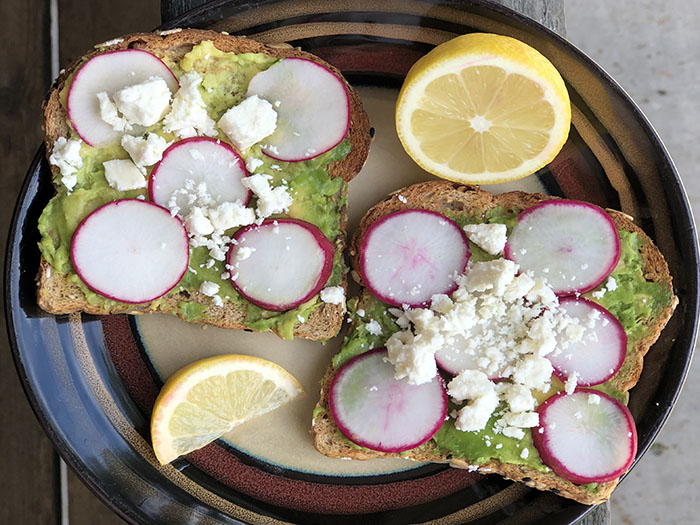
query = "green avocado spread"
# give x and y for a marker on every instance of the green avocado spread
(317, 198)
(632, 299)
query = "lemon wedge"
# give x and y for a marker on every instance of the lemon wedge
(207, 398)
(483, 108)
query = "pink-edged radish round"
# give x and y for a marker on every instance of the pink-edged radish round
(411, 255)
(281, 263)
(312, 105)
(109, 72)
(199, 159)
(130, 251)
(600, 352)
(573, 245)
(375, 410)
(586, 437)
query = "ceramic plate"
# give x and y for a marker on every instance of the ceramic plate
(92, 380)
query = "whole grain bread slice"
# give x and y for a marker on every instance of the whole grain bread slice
(57, 295)
(450, 198)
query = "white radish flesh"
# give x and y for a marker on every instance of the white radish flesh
(573, 245)
(199, 159)
(312, 104)
(585, 441)
(411, 255)
(377, 411)
(281, 263)
(453, 357)
(109, 72)
(130, 251)
(600, 352)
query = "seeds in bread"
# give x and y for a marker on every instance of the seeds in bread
(57, 295)
(450, 198)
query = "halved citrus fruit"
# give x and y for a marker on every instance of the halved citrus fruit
(483, 108)
(207, 398)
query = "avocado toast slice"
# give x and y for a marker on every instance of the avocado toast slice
(225, 64)
(643, 302)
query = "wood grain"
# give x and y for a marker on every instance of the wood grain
(30, 467)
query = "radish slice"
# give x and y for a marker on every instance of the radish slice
(109, 72)
(573, 245)
(281, 263)
(376, 411)
(411, 255)
(199, 159)
(130, 251)
(600, 352)
(453, 359)
(586, 437)
(312, 104)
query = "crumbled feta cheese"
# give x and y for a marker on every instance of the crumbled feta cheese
(66, 156)
(374, 328)
(188, 116)
(476, 387)
(217, 301)
(489, 237)
(244, 252)
(145, 151)
(571, 383)
(249, 122)
(441, 303)
(518, 397)
(513, 432)
(334, 295)
(301, 319)
(533, 371)
(122, 175)
(491, 275)
(252, 164)
(197, 222)
(360, 313)
(110, 114)
(525, 453)
(402, 198)
(145, 103)
(231, 215)
(593, 399)
(611, 285)
(270, 200)
(413, 357)
(209, 288)
(520, 419)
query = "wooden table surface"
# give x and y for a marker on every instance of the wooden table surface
(39, 37)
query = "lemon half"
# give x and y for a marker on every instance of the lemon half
(483, 108)
(206, 399)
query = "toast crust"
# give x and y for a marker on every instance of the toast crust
(57, 295)
(443, 196)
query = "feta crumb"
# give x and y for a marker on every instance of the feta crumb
(249, 122)
(483, 399)
(209, 288)
(123, 174)
(514, 432)
(145, 151)
(252, 164)
(217, 301)
(301, 319)
(360, 313)
(593, 399)
(66, 156)
(244, 252)
(373, 327)
(571, 383)
(110, 114)
(578, 415)
(188, 116)
(611, 285)
(489, 237)
(270, 200)
(144, 103)
(230, 215)
(525, 453)
(334, 295)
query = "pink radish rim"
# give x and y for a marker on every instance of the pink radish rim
(549, 459)
(363, 251)
(618, 326)
(80, 69)
(347, 107)
(116, 203)
(346, 432)
(563, 202)
(218, 142)
(326, 271)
